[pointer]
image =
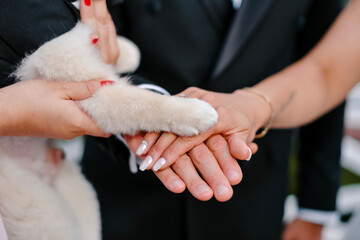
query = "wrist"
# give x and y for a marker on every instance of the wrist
(259, 110)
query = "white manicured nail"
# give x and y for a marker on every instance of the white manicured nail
(147, 161)
(161, 162)
(250, 155)
(142, 148)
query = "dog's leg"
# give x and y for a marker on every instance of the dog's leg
(122, 108)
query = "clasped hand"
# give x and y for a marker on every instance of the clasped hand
(178, 161)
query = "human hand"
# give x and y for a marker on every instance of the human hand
(47, 109)
(212, 159)
(238, 122)
(302, 230)
(96, 14)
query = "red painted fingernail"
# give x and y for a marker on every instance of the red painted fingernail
(88, 2)
(94, 41)
(106, 83)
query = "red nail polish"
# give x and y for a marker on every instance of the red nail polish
(106, 83)
(88, 2)
(94, 41)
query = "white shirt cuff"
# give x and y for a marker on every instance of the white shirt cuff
(154, 88)
(133, 159)
(318, 216)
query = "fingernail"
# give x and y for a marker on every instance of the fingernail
(106, 83)
(140, 150)
(94, 40)
(87, 2)
(201, 189)
(250, 155)
(222, 189)
(161, 162)
(147, 161)
(233, 175)
(175, 184)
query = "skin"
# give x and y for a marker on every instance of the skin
(295, 231)
(211, 158)
(299, 94)
(53, 115)
(312, 82)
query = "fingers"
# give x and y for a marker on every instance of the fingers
(170, 180)
(253, 147)
(82, 90)
(96, 14)
(153, 159)
(238, 147)
(134, 141)
(211, 172)
(77, 91)
(220, 149)
(166, 153)
(87, 12)
(185, 169)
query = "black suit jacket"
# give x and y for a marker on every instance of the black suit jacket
(185, 43)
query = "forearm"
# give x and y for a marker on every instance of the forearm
(3, 114)
(320, 81)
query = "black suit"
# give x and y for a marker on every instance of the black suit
(192, 43)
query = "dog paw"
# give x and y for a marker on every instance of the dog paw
(192, 117)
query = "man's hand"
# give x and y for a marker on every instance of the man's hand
(212, 153)
(212, 159)
(302, 230)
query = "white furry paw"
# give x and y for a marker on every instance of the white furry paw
(192, 117)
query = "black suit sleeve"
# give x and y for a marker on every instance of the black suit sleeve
(25, 25)
(320, 141)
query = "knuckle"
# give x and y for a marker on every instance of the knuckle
(171, 151)
(208, 97)
(201, 155)
(104, 19)
(216, 143)
(223, 111)
(182, 162)
(156, 149)
(192, 89)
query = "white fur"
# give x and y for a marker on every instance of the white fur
(39, 200)
(119, 108)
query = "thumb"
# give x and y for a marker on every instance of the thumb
(82, 90)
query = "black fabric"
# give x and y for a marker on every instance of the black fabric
(181, 46)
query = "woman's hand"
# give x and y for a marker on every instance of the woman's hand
(241, 114)
(213, 153)
(212, 159)
(96, 14)
(47, 109)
